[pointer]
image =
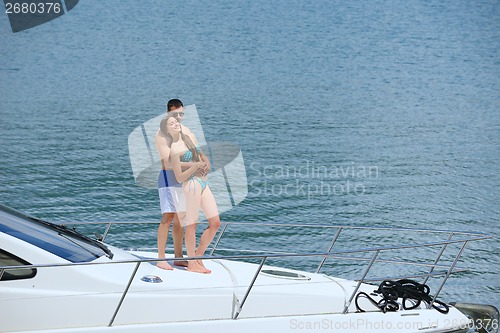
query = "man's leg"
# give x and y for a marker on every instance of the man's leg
(166, 221)
(178, 236)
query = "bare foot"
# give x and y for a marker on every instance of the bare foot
(194, 266)
(164, 265)
(200, 262)
(182, 263)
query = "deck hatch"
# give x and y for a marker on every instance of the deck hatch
(284, 274)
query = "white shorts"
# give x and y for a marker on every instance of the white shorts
(170, 191)
(172, 200)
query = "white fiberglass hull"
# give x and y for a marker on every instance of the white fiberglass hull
(86, 297)
(411, 321)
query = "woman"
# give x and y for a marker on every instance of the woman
(195, 188)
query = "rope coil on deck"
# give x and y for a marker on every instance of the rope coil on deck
(406, 289)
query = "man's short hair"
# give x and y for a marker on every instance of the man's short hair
(174, 104)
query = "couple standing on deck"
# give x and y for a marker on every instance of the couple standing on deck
(183, 190)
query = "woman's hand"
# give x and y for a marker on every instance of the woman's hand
(203, 171)
(200, 164)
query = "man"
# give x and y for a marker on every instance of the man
(169, 190)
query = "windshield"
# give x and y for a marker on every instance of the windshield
(59, 240)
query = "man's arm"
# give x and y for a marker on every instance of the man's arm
(186, 130)
(163, 149)
(208, 166)
(202, 171)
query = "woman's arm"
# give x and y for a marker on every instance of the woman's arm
(163, 147)
(182, 175)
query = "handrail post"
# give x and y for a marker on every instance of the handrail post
(218, 239)
(250, 287)
(450, 270)
(438, 257)
(360, 281)
(124, 293)
(106, 231)
(337, 234)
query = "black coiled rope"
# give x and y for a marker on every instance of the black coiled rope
(411, 292)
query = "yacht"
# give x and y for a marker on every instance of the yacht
(54, 278)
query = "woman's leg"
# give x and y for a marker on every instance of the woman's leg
(209, 207)
(192, 193)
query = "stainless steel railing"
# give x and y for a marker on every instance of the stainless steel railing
(460, 238)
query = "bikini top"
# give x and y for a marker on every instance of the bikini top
(188, 155)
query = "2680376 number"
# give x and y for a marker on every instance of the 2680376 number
(33, 8)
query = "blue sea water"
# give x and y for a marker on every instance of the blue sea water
(379, 113)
